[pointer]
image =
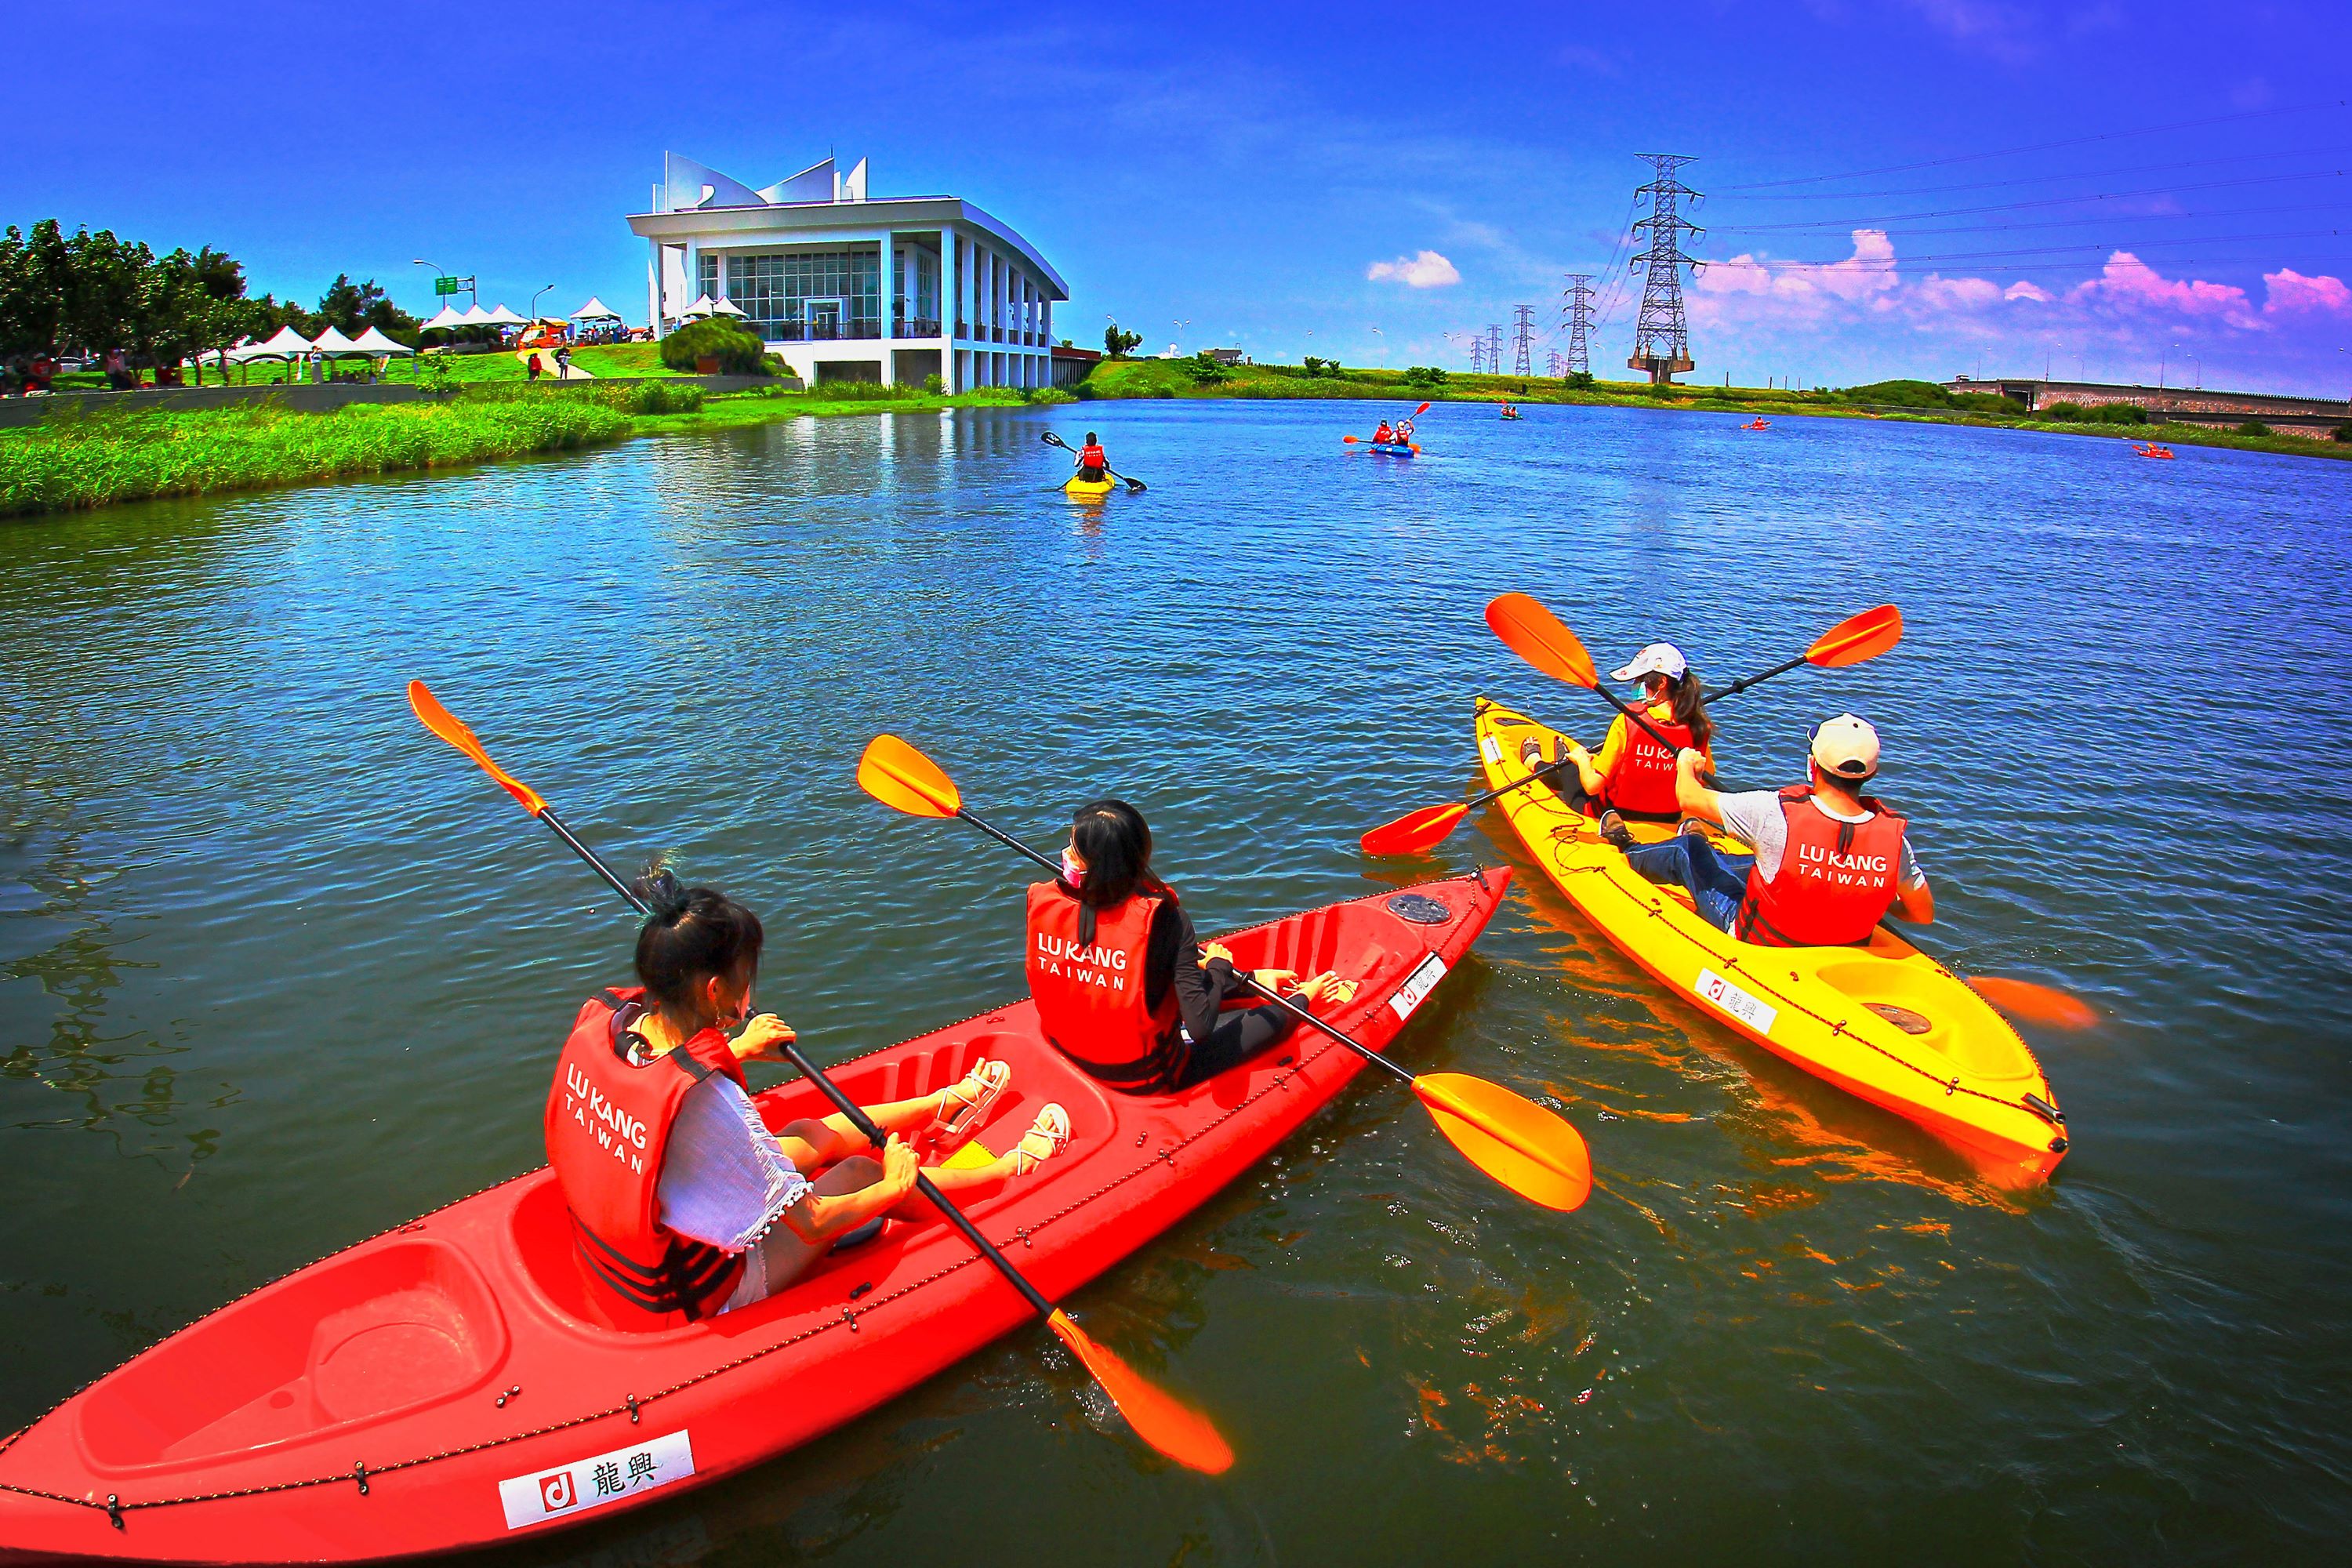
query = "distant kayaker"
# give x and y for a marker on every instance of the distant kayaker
(1384, 435)
(1124, 987)
(684, 1203)
(1093, 461)
(1404, 436)
(1830, 862)
(1632, 776)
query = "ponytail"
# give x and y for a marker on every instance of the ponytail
(690, 935)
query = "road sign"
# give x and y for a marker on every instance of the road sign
(452, 285)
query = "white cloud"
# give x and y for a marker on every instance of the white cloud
(1426, 270)
(2033, 291)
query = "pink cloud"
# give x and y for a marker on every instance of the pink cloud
(2287, 289)
(2033, 291)
(2132, 283)
(1957, 293)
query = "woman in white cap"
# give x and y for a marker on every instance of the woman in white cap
(1632, 776)
(1830, 862)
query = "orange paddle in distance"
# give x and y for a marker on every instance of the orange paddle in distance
(1519, 1143)
(1182, 1434)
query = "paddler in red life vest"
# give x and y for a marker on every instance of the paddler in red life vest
(1123, 986)
(1384, 435)
(1632, 776)
(683, 1202)
(1093, 461)
(1830, 862)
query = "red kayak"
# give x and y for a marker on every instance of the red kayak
(439, 1387)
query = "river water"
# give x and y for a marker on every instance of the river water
(277, 970)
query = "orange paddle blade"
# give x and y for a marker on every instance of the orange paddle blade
(1419, 411)
(1184, 1436)
(1857, 638)
(1351, 440)
(446, 724)
(1511, 1138)
(2034, 1004)
(903, 779)
(1536, 635)
(1415, 830)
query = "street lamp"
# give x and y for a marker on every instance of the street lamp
(534, 302)
(1179, 331)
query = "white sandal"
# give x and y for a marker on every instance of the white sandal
(1052, 1128)
(964, 1108)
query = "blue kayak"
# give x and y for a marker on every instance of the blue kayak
(1392, 449)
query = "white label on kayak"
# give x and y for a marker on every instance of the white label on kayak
(1757, 1014)
(1418, 985)
(1491, 748)
(590, 1483)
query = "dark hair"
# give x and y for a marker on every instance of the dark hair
(1689, 697)
(1113, 839)
(690, 934)
(1091, 437)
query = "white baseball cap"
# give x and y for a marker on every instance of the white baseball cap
(1658, 658)
(1846, 746)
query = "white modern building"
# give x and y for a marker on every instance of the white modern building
(849, 288)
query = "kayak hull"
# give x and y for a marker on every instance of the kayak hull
(1390, 449)
(1088, 490)
(352, 1410)
(1885, 1023)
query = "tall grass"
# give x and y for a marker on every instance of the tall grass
(73, 460)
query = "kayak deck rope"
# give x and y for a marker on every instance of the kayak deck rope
(115, 1506)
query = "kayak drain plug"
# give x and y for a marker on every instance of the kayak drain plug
(509, 1393)
(114, 1509)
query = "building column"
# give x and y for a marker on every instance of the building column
(693, 274)
(653, 287)
(888, 289)
(951, 306)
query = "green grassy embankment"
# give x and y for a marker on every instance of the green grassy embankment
(78, 458)
(1914, 401)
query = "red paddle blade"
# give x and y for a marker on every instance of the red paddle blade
(1351, 440)
(1415, 830)
(1536, 635)
(1857, 638)
(1418, 412)
(1511, 1138)
(2034, 1004)
(903, 779)
(1183, 1435)
(447, 725)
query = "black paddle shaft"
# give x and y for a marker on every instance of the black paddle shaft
(1270, 995)
(843, 1103)
(1742, 684)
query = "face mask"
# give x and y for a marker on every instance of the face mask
(1072, 872)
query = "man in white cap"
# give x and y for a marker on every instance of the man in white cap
(1633, 774)
(1830, 862)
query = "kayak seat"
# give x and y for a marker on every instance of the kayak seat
(1904, 995)
(383, 1329)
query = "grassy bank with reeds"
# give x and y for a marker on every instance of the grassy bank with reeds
(78, 459)
(1182, 379)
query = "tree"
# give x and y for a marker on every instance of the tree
(1116, 343)
(33, 270)
(1579, 380)
(105, 285)
(353, 308)
(1427, 375)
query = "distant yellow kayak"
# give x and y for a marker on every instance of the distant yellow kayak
(1885, 1022)
(1089, 488)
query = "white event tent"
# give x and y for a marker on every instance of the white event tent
(595, 309)
(373, 341)
(288, 344)
(502, 317)
(445, 319)
(333, 344)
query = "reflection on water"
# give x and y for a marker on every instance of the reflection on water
(276, 970)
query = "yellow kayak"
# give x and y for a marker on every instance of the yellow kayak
(1885, 1022)
(1089, 489)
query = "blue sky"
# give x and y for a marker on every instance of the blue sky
(1247, 170)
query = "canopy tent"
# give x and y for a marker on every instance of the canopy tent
(727, 308)
(595, 309)
(288, 344)
(373, 341)
(475, 316)
(700, 307)
(502, 317)
(334, 345)
(445, 319)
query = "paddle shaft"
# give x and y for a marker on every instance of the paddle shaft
(846, 1106)
(1746, 681)
(1248, 980)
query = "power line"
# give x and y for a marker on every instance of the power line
(2036, 147)
(2027, 206)
(2044, 179)
(2304, 207)
(1857, 263)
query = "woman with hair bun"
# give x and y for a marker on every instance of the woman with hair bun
(1123, 986)
(684, 1202)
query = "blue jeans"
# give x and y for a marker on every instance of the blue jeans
(1716, 882)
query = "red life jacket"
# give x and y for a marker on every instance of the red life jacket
(608, 1121)
(1090, 993)
(1091, 455)
(1642, 782)
(1837, 879)
(1384, 436)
